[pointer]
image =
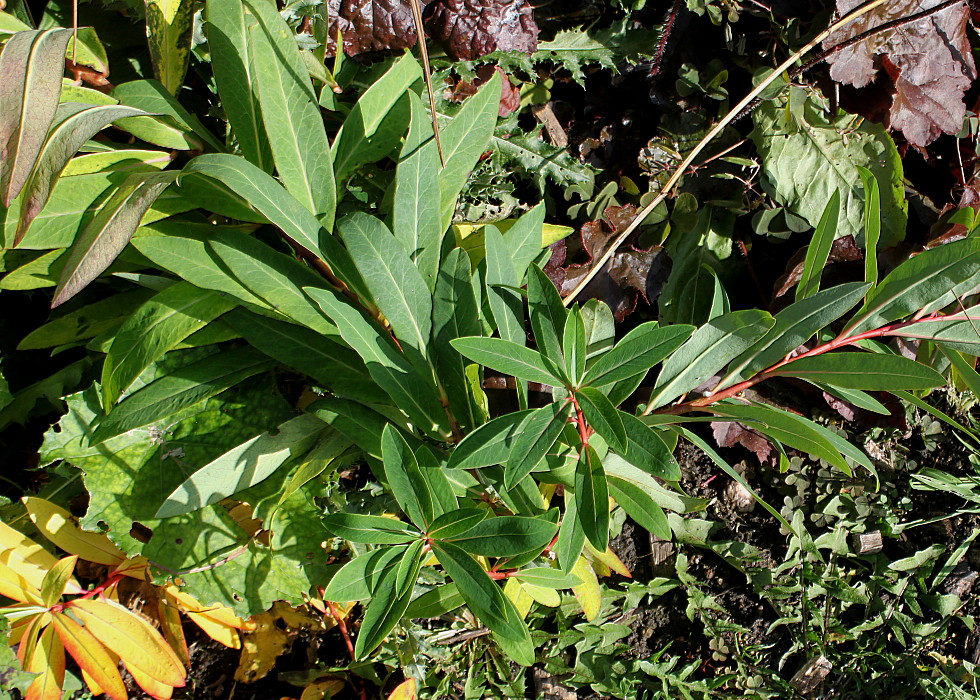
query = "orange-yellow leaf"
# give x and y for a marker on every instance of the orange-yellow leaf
(588, 594)
(405, 691)
(154, 688)
(132, 638)
(47, 658)
(260, 649)
(609, 559)
(93, 687)
(27, 558)
(58, 525)
(137, 567)
(16, 587)
(173, 630)
(322, 688)
(91, 656)
(217, 621)
(17, 629)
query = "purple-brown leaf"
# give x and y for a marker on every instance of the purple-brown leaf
(473, 28)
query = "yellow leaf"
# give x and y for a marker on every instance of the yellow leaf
(545, 596)
(154, 688)
(137, 567)
(514, 590)
(588, 594)
(58, 525)
(609, 559)
(217, 621)
(322, 688)
(15, 586)
(295, 618)
(28, 559)
(405, 691)
(98, 665)
(47, 658)
(173, 631)
(132, 638)
(260, 648)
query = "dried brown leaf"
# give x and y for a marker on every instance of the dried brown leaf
(473, 28)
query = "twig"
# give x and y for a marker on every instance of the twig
(709, 137)
(658, 53)
(342, 626)
(427, 74)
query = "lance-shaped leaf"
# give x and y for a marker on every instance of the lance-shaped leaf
(104, 238)
(77, 125)
(546, 312)
(454, 524)
(395, 283)
(409, 486)
(156, 327)
(525, 238)
(505, 536)
(390, 602)
(360, 578)
(292, 118)
(491, 443)
(376, 123)
(185, 386)
(485, 599)
(241, 467)
(928, 282)
(58, 526)
(638, 351)
(370, 529)
(861, 370)
(45, 656)
(232, 62)
(134, 640)
(93, 658)
(571, 536)
(592, 498)
(959, 330)
(361, 424)
(416, 216)
(602, 417)
(640, 506)
(57, 579)
(573, 345)
(819, 249)
(872, 224)
(411, 390)
(281, 208)
(31, 67)
(537, 436)
(439, 601)
(792, 327)
(646, 450)
(710, 348)
(169, 27)
(508, 357)
(152, 97)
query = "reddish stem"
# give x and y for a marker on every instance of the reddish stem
(342, 626)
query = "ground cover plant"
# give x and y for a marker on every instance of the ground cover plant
(408, 371)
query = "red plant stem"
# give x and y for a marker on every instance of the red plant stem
(838, 342)
(342, 626)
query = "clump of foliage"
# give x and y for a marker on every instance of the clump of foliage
(301, 378)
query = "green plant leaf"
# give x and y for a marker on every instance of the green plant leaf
(326, 361)
(640, 506)
(409, 487)
(957, 330)
(708, 350)
(592, 498)
(646, 450)
(525, 238)
(491, 443)
(241, 467)
(486, 600)
(507, 357)
(571, 536)
(416, 216)
(232, 58)
(862, 370)
(546, 312)
(602, 417)
(175, 391)
(793, 326)
(169, 28)
(439, 601)
(156, 327)
(31, 67)
(928, 282)
(412, 392)
(395, 283)
(389, 604)
(175, 128)
(363, 425)
(505, 536)
(573, 345)
(638, 351)
(104, 238)
(546, 577)
(370, 529)
(506, 302)
(453, 524)
(533, 442)
(819, 249)
(85, 322)
(76, 126)
(378, 120)
(464, 139)
(293, 124)
(360, 578)
(872, 224)
(854, 396)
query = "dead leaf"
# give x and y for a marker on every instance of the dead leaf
(260, 648)
(473, 28)
(510, 96)
(929, 61)
(731, 433)
(375, 25)
(844, 249)
(406, 690)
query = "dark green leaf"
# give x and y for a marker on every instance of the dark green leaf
(546, 311)
(537, 436)
(507, 357)
(819, 249)
(571, 536)
(389, 604)
(646, 450)
(592, 498)
(449, 526)
(505, 536)
(361, 424)
(370, 529)
(872, 224)
(573, 345)
(602, 417)
(868, 371)
(359, 578)
(405, 478)
(439, 601)
(640, 506)
(638, 351)
(490, 443)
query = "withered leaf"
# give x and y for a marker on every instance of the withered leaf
(473, 28)
(844, 249)
(730, 433)
(929, 61)
(629, 273)
(370, 25)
